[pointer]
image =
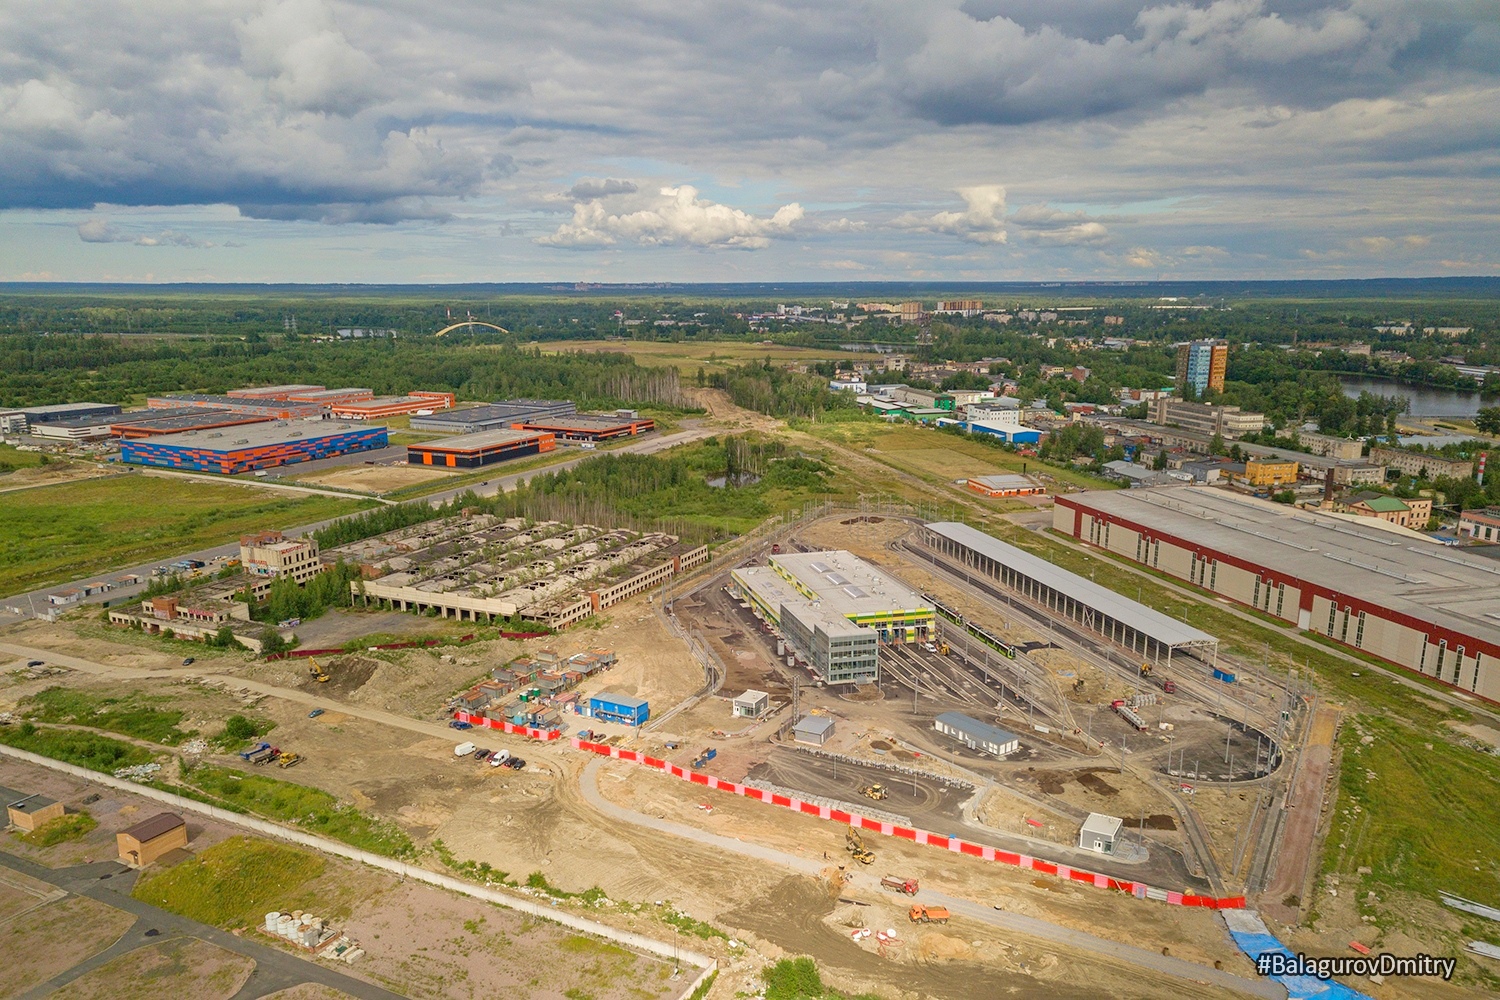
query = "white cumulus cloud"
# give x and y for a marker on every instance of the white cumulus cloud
(676, 215)
(981, 221)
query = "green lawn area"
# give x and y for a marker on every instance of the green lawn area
(12, 459)
(235, 883)
(54, 534)
(136, 715)
(940, 457)
(74, 746)
(311, 809)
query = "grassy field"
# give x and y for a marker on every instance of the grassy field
(235, 882)
(711, 356)
(133, 715)
(73, 826)
(940, 457)
(308, 808)
(54, 534)
(12, 459)
(90, 750)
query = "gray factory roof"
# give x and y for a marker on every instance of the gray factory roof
(244, 404)
(1346, 555)
(257, 435)
(778, 593)
(517, 409)
(185, 418)
(263, 391)
(1147, 621)
(480, 439)
(51, 408)
(974, 729)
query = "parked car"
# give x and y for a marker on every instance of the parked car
(315, 713)
(515, 763)
(36, 663)
(481, 753)
(187, 661)
(456, 724)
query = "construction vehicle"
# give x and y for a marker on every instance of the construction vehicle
(1169, 686)
(920, 914)
(877, 792)
(776, 549)
(316, 672)
(247, 754)
(855, 845)
(899, 884)
(289, 759)
(263, 755)
(942, 647)
(708, 754)
(1145, 670)
(1129, 714)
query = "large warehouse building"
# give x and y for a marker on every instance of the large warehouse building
(260, 446)
(391, 406)
(150, 423)
(1144, 631)
(834, 609)
(273, 409)
(19, 421)
(474, 451)
(589, 427)
(1423, 606)
(494, 416)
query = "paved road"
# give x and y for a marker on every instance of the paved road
(28, 605)
(1005, 920)
(110, 882)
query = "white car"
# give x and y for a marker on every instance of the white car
(464, 749)
(930, 647)
(499, 757)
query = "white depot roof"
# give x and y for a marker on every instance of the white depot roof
(1147, 621)
(846, 584)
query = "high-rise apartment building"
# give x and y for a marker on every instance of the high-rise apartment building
(1201, 364)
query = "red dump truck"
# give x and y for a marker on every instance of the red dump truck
(899, 884)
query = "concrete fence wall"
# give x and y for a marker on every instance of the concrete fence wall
(639, 942)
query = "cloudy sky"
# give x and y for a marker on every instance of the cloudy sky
(739, 140)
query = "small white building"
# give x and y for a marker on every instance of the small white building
(752, 705)
(976, 735)
(813, 729)
(1099, 833)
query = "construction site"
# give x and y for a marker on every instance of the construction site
(484, 568)
(919, 828)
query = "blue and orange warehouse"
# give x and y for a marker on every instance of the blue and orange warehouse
(474, 451)
(259, 446)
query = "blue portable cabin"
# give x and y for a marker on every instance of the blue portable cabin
(619, 708)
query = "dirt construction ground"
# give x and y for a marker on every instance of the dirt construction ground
(375, 478)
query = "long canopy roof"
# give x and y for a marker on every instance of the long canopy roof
(1147, 621)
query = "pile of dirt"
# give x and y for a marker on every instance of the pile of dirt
(934, 947)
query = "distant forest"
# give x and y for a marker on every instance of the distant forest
(35, 370)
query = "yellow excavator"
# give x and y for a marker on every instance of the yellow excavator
(855, 844)
(876, 792)
(316, 672)
(1145, 670)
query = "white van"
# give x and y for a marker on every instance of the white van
(499, 757)
(464, 749)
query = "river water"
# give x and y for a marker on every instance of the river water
(1425, 401)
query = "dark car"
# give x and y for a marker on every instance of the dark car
(188, 662)
(515, 764)
(456, 724)
(36, 663)
(315, 713)
(480, 754)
